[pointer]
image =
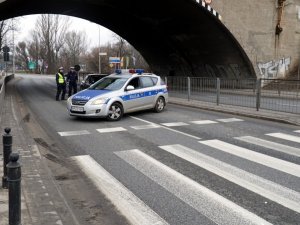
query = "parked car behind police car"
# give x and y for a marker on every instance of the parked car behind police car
(115, 95)
(91, 79)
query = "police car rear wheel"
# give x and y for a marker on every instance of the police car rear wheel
(160, 105)
(115, 112)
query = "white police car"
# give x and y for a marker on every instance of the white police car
(114, 95)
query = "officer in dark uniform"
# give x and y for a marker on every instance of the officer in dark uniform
(61, 84)
(72, 79)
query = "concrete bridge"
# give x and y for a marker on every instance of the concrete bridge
(187, 37)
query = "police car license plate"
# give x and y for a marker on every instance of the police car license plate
(77, 109)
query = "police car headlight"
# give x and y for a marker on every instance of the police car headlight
(69, 100)
(99, 101)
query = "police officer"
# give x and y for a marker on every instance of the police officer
(72, 79)
(61, 84)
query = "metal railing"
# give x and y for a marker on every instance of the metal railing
(271, 94)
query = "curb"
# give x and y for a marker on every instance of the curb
(235, 113)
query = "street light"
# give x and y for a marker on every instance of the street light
(99, 51)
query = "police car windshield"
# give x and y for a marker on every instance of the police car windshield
(109, 83)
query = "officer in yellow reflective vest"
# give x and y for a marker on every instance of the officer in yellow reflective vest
(61, 84)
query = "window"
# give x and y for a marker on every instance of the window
(147, 82)
(154, 79)
(135, 82)
(109, 83)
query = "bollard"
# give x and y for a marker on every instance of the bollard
(189, 88)
(14, 189)
(7, 143)
(218, 90)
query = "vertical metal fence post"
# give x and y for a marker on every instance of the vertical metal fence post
(14, 189)
(258, 94)
(189, 88)
(7, 143)
(218, 90)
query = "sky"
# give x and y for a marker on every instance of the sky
(27, 23)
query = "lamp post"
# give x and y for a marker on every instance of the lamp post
(13, 51)
(99, 53)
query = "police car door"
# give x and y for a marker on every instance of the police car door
(134, 99)
(149, 91)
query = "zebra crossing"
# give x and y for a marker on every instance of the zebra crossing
(151, 126)
(215, 207)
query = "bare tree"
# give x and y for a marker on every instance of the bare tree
(75, 46)
(6, 26)
(52, 30)
(22, 55)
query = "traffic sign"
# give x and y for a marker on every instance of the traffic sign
(114, 60)
(31, 65)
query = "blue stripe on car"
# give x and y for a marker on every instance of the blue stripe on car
(142, 94)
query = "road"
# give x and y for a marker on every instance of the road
(182, 166)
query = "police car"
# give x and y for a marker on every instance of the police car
(116, 94)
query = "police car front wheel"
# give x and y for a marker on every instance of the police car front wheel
(115, 112)
(160, 104)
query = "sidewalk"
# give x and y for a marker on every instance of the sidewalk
(276, 116)
(41, 198)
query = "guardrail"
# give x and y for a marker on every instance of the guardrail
(272, 94)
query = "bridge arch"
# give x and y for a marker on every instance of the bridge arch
(176, 37)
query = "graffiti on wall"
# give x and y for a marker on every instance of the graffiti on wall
(274, 69)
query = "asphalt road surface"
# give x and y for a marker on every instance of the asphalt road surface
(181, 166)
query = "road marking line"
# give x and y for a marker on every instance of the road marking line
(109, 130)
(230, 120)
(298, 131)
(135, 210)
(167, 128)
(143, 127)
(202, 122)
(192, 193)
(271, 145)
(260, 186)
(73, 133)
(285, 137)
(177, 124)
(245, 153)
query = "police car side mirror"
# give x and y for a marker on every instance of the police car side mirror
(129, 88)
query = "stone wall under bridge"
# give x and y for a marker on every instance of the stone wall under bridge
(274, 53)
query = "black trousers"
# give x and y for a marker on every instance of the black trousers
(61, 89)
(72, 87)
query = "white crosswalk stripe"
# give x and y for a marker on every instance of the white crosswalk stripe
(73, 133)
(144, 127)
(229, 120)
(192, 193)
(297, 131)
(203, 122)
(135, 210)
(263, 187)
(271, 145)
(110, 130)
(265, 160)
(285, 137)
(175, 124)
